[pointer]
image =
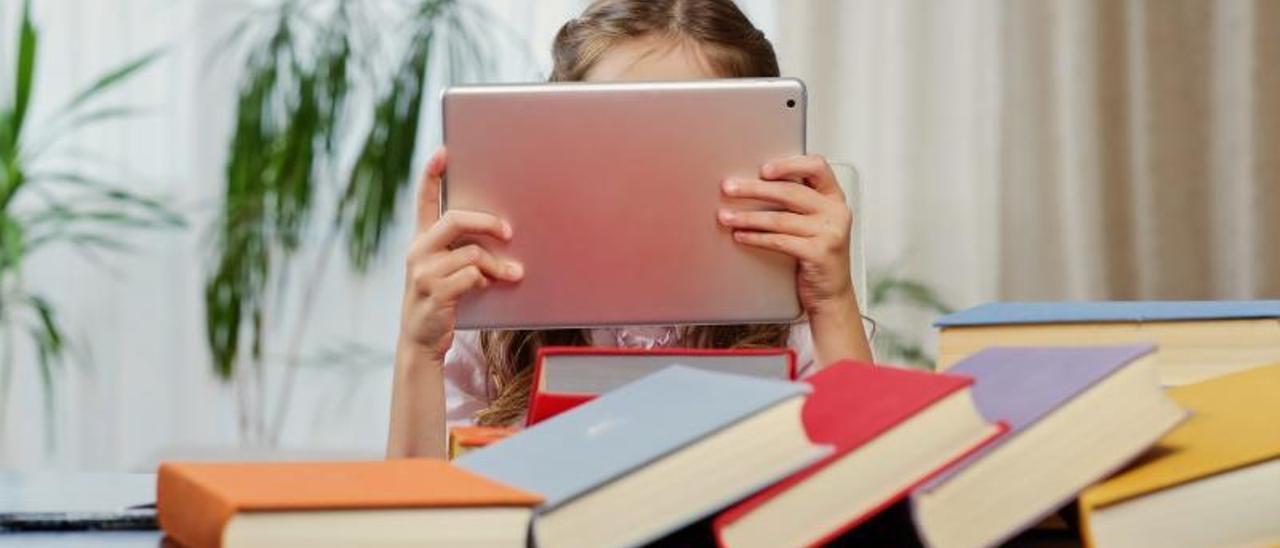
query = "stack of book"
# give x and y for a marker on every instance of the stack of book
(624, 448)
(1198, 340)
(653, 456)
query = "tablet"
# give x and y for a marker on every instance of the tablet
(612, 191)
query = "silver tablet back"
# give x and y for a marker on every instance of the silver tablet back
(612, 190)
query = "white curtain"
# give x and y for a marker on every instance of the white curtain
(908, 92)
(147, 387)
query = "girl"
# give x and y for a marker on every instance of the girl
(484, 377)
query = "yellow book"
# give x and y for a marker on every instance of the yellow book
(1213, 481)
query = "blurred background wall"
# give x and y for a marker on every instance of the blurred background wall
(1086, 149)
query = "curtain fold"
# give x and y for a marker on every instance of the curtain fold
(1132, 150)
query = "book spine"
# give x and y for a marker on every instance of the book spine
(187, 512)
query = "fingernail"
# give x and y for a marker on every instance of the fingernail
(726, 215)
(506, 229)
(514, 269)
(730, 185)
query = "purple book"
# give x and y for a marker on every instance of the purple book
(1022, 385)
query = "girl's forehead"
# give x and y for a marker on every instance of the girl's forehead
(651, 58)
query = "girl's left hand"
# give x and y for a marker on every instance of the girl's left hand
(813, 225)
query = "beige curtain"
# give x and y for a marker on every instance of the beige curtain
(1099, 149)
(1141, 149)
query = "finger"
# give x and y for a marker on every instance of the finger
(455, 285)
(490, 265)
(791, 196)
(795, 246)
(812, 169)
(456, 223)
(429, 190)
(782, 222)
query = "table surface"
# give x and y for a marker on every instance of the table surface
(104, 492)
(56, 493)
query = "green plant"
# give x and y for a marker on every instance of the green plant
(889, 291)
(42, 205)
(313, 71)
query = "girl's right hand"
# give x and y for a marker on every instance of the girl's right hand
(438, 272)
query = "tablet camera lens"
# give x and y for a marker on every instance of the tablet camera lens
(791, 103)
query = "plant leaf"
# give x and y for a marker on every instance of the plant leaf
(7, 148)
(48, 325)
(28, 40)
(382, 170)
(113, 78)
(115, 195)
(46, 336)
(11, 242)
(104, 114)
(888, 290)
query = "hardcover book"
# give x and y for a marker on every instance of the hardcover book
(652, 456)
(1075, 414)
(407, 502)
(1198, 340)
(891, 429)
(567, 376)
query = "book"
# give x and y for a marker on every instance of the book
(891, 429)
(652, 456)
(1213, 481)
(371, 503)
(1075, 414)
(464, 439)
(1198, 340)
(567, 376)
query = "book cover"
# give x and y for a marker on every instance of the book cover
(853, 403)
(1020, 385)
(547, 400)
(1235, 422)
(463, 439)
(625, 430)
(1009, 313)
(195, 500)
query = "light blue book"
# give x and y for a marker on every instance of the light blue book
(654, 455)
(1003, 313)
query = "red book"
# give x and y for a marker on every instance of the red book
(565, 377)
(891, 429)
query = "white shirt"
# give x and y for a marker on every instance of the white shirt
(466, 375)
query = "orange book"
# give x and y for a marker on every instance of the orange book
(402, 502)
(464, 439)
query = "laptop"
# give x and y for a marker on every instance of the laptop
(612, 190)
